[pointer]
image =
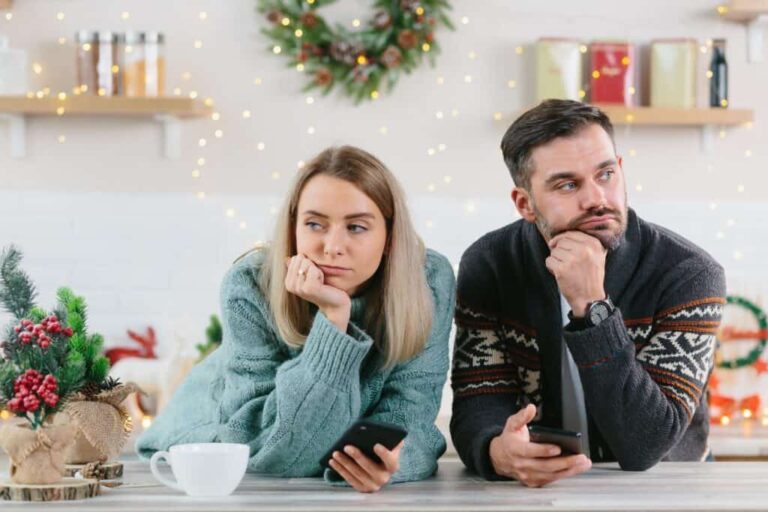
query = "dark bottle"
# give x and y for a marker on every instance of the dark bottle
(718, 81)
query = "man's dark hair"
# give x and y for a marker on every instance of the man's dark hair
(547, 121)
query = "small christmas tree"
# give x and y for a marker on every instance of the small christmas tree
(213, 335)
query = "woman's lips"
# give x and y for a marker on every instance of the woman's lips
(334, 271)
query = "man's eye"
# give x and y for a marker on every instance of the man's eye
(607, 174)
(567, 186)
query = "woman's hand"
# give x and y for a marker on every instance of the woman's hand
(305, 279)
(361, 472)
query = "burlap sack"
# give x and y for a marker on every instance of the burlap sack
(103, 425)
(37, 456)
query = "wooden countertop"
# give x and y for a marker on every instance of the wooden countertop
(668, 486)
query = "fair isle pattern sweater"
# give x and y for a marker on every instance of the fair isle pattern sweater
(290, 406)
(644, 370)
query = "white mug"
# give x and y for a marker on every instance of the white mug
(203, 469)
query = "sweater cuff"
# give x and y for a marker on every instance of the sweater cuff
(596, 345)
(482, 453)
(334, 356)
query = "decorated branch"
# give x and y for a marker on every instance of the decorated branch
(397, 39)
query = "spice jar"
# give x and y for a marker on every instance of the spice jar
(87, 57)
(131, 56)
(107, 69)
(154, 63)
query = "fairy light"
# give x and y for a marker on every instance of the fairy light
(198, 44)
(583, 48)
(439, 114)
(464, 20)
(362, 60)
(275, 175)
(216, 116)
(125, 15)
(625, 60)
(62, 139)
(8, 16)
(203, 15)
(440, 80)
(146, 421)
(431, 187)
(497, 116)
(468, 79)
(374, 95)
(257, 81)
(420, 11)
(472, 55)
(218, 134)
(448, 179)
(60, 16)
(115, 69)
(37, 68)
(200, 195)
(62, 96)
(260, 146)
(632, 90)
(246, 114)
(748, 153)
(208, 102)
(431, 152)
(425, 47)
(595, 74)
(519, 50)
(300, 164)
(740, 188)
(442, 147)
(276, 50)
(722, 10)
(299, 67)
(709, 74)
(582, 93)
(4, 415)
(639, 188)
(40, 95)
(511, 84)
(630, 118)
(285, 21)
(355, 23)
(703, 49)
(177, 91)
(311, 130)
(186, 76)
(383, 130)
(193, 95)
(202, 143)
(725, 420)
(62, 40)
(230, 212)
(200, 162)
(60, 111)
(746, 413)
(196, 173)
(298, 32)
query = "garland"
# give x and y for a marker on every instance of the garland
(754, 355)
(394, 41)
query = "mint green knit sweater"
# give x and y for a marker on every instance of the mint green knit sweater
(291, 405)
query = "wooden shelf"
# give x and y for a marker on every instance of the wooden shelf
(753, 13)
(6, 4)
(656, 116)
(743, 11)
(167, 110)
(94, 105)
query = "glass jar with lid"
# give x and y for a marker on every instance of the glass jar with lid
(154, 63)
(132, 63)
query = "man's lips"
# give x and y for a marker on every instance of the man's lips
(334, 271)
(597, 220)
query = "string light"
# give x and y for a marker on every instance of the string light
(4, 415)
(725, 420)
(582, 93)
(468, 79)
(230, 212)
(62, 40)
(37, 68)
(746, 413)
(200, 162)
(260, 146)
(298, 32)
(425, 47)
(511, 84)
(246, 114)
(218, 134)
(448, 179)
(60, 16)
(439, 114)
(519, 50)
(216, 116)
(311, 130)
(722, 10)
(177, 91)
(355, 23)
(583, 48)
(60, 111)
(62, 96)
(203, 15)
(748, 153)
(146, 422)
(639, 188)
(595, 74)
(202, 143)
(193, 94)
(497, 116)
(374, 95)
(285, 21)
(208, 102)
(464, 20)
(62, 139)
(383, 130)
(441, 147)
(440, 80)
(300, 164)
(198, 44)
(276, 50)
(431, 187)
(125, 15)
(431, 152)
(9, 16)
(201, 195)
(196, 173)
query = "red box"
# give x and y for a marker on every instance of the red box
(612, 73)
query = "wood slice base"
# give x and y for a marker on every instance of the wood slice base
(112, 470)
(66, 489)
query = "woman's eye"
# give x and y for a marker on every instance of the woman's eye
(314, 226)
(357, 228)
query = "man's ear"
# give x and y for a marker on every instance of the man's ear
(522, 199)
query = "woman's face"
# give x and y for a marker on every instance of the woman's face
(341, 230)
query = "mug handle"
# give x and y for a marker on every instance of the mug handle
(156, 472)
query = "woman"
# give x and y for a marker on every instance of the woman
(345, 316)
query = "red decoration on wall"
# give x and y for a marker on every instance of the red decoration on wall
(146, 350)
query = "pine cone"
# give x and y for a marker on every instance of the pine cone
(90, 389)
(109, 383)
(93, 470)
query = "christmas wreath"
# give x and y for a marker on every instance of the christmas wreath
(399, 36)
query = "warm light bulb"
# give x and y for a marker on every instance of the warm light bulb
(285, 21)
(246, 114)
(725, 420)
(275, 175)
(60, 111)
(260, 146)
(519, 50)
(196, 173)
(276, 50)
(511, 84)
(497, 116)
(125, 15)
(230, 212)
(595, 74)
(746, 413)
(355, 23)
(37, 68)
(146, 422)
(420, 11)
(60, 16)
(298, 32)
(464, 20)
(425, 47)
(374, 95)
(62, 96)
(431, 152)
(218, 134)
(198, 44)
(203, 15)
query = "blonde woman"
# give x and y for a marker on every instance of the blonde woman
(345, 316)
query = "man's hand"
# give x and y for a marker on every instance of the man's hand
(305, 279)
(534, 465)
(361, 472)
(577, 260)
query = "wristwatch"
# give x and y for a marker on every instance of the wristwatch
(598, 311)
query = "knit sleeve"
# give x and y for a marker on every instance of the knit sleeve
(495, 363)
(286, 409)
(643, 402)
(412, 393)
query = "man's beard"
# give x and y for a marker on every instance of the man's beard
(611, 240)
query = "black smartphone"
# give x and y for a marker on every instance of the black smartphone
(364, 435)
(568, 441)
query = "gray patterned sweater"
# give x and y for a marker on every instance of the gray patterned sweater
(644, 370)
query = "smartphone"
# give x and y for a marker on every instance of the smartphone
(364, 435)
(568, 441)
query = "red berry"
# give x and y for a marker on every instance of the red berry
(15, 405)
(51, 399)
(17, 329)
(26, 322)
(31, 403)
(68, 332)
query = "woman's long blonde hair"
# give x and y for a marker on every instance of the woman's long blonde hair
(398, 312)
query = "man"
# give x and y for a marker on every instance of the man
(642, 303)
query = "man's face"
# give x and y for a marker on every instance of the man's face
(577, 183)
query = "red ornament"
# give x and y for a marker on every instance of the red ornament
(761, 365)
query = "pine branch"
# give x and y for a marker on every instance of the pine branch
(17, 293)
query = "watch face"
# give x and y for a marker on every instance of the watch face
(598, 312)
